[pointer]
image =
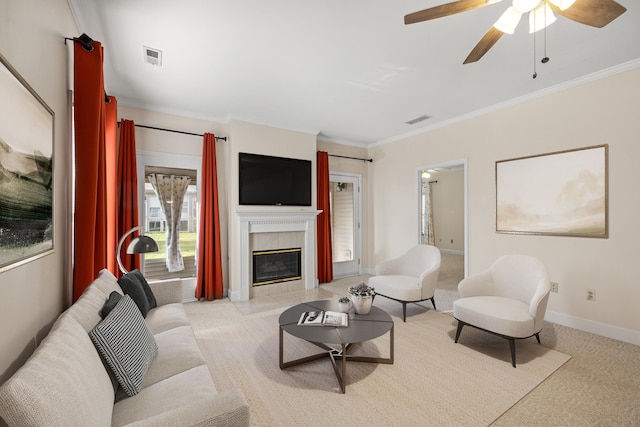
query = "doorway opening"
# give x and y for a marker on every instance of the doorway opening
(345, 206)
(442, 207)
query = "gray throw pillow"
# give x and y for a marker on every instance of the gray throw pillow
(136, 274)
(131, 286)
(114, 298)
(126, 344)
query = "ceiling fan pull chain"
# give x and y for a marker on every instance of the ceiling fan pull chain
(546, 58)
(535, 73)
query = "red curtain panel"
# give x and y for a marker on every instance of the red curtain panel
(94, 240)
(128, 190)
(325, 258)
(111, 181)
(209, 283)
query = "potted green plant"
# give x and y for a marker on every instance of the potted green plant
(361, 297)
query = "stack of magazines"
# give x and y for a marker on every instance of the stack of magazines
(324, 318)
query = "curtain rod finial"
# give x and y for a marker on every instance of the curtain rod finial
(86, 42)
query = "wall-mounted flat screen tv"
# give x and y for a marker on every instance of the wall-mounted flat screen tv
(269, 180)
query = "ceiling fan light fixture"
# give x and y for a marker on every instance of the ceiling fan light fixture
(524, 6)
(508, 21)
(562, 4)
(541, 17)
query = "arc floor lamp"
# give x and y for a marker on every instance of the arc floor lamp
(138, 245)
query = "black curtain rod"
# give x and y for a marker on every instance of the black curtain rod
(224, 138)
(352, 158)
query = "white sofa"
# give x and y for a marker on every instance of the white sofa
(65, 383)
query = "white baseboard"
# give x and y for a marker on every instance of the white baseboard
(451, 251)
(603, 329)
(234, 296)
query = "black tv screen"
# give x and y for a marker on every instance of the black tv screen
(269, 180)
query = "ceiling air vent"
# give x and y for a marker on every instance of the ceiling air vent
(418, 119)
(152, 56)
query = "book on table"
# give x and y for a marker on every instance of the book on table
(324, 318)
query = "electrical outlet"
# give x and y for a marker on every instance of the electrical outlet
(590, 295)
(554, 287)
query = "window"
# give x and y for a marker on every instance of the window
(155, 222)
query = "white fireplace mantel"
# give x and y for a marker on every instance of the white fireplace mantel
(251, 221)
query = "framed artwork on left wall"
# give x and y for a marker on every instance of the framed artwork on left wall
(26, 171)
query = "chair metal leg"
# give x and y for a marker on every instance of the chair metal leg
(460, 326)
(404, 311)
(512, 347)
(433, 301)
(538, 337)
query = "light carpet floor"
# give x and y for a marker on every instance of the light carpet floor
(432, 382)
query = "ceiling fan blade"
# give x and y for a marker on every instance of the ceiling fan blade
(483, 46)
(445, 10)
(596, 13)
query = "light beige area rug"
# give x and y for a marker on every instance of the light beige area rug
(432, 382)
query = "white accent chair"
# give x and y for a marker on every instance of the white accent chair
(509, 299)
(409, 278)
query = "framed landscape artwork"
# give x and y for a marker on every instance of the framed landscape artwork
(26, 171)
(563, 193)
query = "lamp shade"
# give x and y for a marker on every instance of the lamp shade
(139, 245)
(142, 245)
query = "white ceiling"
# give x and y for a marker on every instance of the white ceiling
(347, 69)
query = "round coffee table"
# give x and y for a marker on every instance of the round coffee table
(362, 327)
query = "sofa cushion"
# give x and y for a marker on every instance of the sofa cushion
(125, 343)
(106, 282)
(87, 309)
(167, 317)
(178, 351)
(165, 396)
(62, 383)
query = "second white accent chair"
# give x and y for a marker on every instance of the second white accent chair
(409, 278)
(509, 299)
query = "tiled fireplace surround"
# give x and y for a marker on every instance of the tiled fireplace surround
(272, 230)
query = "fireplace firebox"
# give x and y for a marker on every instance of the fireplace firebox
(275, 266)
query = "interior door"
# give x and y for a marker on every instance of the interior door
(345, 224)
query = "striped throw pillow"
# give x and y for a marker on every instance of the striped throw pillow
(126, 344)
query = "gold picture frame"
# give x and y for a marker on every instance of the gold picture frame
(563, 193)
(26, 171)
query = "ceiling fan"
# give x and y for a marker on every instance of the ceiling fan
(596, 13)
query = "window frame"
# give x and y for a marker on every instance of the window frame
(168, 160)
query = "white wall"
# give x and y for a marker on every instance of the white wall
(598, 112)
(31, 296)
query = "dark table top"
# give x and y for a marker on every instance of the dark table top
(362, 327)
